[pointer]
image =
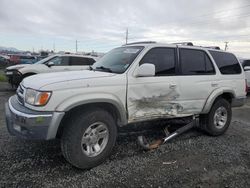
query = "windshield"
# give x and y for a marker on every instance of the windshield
(45, 59)
(118, 59)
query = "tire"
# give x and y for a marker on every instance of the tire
(80, 148)
(217, 121)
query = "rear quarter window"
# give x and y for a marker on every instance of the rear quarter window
(226, 62)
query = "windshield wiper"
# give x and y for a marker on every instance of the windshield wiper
(104, 68)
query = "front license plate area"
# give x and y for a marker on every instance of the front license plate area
(19, 119)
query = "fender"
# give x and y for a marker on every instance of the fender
(81, 99)
(215, 93)
(33, 68)
(23, 72)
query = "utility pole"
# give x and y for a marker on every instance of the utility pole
(127, 36)
(54, 48)
(226, 45)
(76, 46)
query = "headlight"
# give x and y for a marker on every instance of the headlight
(37, 98)
(8, 73)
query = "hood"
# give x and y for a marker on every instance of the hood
(17, 67)
(42, 80)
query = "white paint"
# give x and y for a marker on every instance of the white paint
(143, 98)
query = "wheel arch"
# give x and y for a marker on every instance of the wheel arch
(225, 93)
(111, 106)
(24, 75)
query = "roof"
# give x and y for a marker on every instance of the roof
(182, 44)
(77, 55)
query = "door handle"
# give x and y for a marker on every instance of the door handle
(172, 86)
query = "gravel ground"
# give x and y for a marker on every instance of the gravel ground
(191, 160)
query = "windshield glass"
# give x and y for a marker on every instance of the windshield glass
(118, 59)
(45, 59)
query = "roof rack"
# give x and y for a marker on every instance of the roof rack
(142, 42)
(184, 43)
(213, 47)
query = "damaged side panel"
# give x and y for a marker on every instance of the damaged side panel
(157, 100)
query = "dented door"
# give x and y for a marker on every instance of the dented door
(157, 96)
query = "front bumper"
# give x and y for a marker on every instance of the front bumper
(14, 77)
(29, 124)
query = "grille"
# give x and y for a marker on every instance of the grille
(21, 90)
(20, 94)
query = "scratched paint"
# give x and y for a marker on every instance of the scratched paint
(156, 106)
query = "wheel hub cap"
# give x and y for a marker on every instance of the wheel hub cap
(220, 117)
(95, 139)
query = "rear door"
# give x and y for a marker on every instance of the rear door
(197, 79)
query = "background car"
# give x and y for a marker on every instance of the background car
(23, 59)
(246, 66)
(4, 60)
(55, 63)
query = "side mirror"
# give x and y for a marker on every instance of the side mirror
(247, 68)
(50, 64)
(146, 70)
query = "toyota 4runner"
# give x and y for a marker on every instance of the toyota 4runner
(133, 83)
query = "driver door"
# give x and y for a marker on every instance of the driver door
(156, 96)
(61, 63)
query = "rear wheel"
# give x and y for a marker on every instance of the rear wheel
(88, 138)
(217, 121)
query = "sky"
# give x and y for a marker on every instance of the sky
(100, 25)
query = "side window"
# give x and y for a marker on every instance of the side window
(163, 59)
(59, 61)
(195, 62)
(81, 61)
(64, 61)
(226, 62)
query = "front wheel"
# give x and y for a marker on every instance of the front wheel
(88, 138)
(217, 121)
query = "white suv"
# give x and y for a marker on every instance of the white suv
(54, 63)
(133, 83)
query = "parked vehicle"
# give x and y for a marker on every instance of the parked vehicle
(55, 63)
(246, 65)
(4, 60)
(134, 83)
(22, 59)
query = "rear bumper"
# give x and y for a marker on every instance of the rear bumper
(237, 102)
(29, 124)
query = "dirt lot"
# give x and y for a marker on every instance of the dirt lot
(191, 160)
